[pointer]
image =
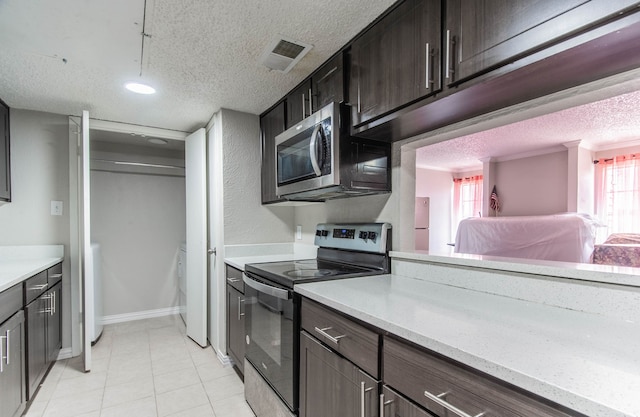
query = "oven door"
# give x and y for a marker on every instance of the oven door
(306, 154)
(269, 325)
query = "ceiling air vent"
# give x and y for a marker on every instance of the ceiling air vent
(282, 54)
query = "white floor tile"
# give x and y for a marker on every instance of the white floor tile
(145, 368)
(181, 400)
(145, 407)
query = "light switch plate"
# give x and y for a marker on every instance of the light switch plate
(56, 208)
(299, 232)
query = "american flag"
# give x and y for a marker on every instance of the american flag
(494, 200)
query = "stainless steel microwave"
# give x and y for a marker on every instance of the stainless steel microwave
(317, 159)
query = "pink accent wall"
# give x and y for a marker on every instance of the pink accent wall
(532, 186)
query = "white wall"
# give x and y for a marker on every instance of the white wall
(532, 186)
(39, 174)
(139, 221)
(246, 220)
(437, 185)
(375, 208)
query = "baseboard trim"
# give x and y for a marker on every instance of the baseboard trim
(140, 315)
(65, 353)
(224, 359)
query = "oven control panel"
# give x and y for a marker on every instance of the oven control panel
(369, 237)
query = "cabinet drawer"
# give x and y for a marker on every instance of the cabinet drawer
(10, 301)
(234, 278)
(352, 340)
(35, 286)
(54, 274)
(417, 373)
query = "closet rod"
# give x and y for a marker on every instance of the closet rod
(139, 164)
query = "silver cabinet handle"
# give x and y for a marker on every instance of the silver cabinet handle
(427, 82)
(2, 355)
(240, 314)
(8, 337)
(303, 115)
(383, 404)
(313, 155)
(447, 65)
(53, 304)
(455, 410)
(47, 310)
(363, 393)
(323, 332)
(56, 276)
(310, 103)
(233, 280)
(38, 287)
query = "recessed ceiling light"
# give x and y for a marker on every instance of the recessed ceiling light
(157, 141)
(140, 88)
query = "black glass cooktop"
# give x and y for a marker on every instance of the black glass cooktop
(288, 273)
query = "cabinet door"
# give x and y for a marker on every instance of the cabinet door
(332, 386)
(54, 322)
(299, 104)
(5, 166)
(235, 327)
(271, 124)
(36, 321)
(12, 383)
(395, 405)
(397, 61)
(328, 83)
(485, 34)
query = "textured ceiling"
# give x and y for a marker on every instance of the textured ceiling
(605, 123)
(66, 56)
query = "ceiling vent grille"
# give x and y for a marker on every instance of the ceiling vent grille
(282, 54)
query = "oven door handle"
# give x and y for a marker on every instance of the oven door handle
(267, 289)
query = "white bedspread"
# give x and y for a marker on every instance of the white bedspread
(565, 237)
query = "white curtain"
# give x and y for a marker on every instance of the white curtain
(467, 199)
(618, 194)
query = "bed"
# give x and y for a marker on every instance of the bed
(567, 237)
(621, 249)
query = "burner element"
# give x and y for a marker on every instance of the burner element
(307, 273)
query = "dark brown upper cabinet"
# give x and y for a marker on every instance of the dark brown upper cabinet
(271, 125)
(325, 86)
(328, 83)
(397, 61)
(299, 103)
(5, 160)
(483, 35)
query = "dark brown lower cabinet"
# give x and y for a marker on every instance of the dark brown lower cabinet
(36, 314)
(395, 405)
(12, 385)
(330, 385)
(235, 317)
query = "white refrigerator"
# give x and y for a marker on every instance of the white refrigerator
(421, 223)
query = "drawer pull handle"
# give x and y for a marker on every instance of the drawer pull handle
(56, 276)
(39, 287)
(383, 404)
(334, 339)
(233, 280)
(455, 410)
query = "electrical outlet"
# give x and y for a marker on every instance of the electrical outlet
(56, 208)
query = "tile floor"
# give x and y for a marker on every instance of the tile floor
(145, 368)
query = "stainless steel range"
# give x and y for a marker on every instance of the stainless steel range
(272, 310)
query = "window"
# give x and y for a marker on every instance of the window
(618, 194)
(467, 199)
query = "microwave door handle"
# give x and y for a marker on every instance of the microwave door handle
(267, 289)
(313, 155)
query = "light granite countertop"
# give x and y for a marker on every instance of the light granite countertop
(14, 272)
(586, 362)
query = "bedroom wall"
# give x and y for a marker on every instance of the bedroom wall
(437, 185)
(533, 186)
